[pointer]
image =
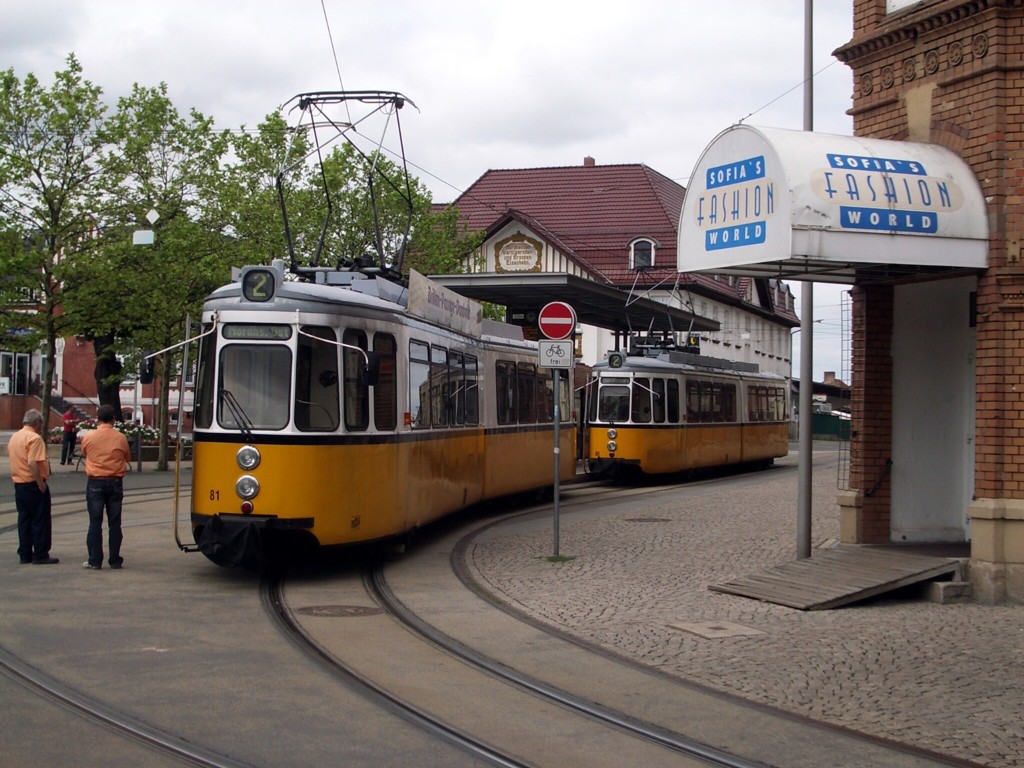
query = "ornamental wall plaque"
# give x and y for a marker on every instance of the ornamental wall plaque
(518, 253)
(888, 76)
(980, 44)
(909, 70)
(931, 62)
(955, 54)
(866, 84)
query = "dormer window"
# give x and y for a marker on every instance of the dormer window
(641, 253)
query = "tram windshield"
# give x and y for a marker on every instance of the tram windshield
(613, 399)
(253, 387)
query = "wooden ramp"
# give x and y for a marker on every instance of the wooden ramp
(836, 577)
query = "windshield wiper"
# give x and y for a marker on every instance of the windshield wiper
(237, 413)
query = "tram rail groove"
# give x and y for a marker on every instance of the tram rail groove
(272, 599)
(377, 586)
(111, 719)
(457, 561)
(65, 506)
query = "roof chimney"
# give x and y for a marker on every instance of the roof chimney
(588, 162)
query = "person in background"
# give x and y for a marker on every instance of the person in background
(70, 422)
(106, 460)
(30, 470)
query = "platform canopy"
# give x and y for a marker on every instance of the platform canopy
(797, 205)
(597, 304)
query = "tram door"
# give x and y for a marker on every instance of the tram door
(933, 411)
(582, 433)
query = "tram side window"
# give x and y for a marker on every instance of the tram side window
(710, 401)
(565, 396)
(357, 393)
(505, 384)
(658, 400)
(692, 401)
(457, 380)
(673, 397)
(254, 386)
(463, 378)
(545, 397)
(440, 392)
(757, 402)
(472, 391)
(673, 401)
(641, 411)
(546, 394)
(727, 402)
(385, 393)
(767, 404)
(779, 405)
(204, 381)
(528, 406)
(316, 380)
(419, 384)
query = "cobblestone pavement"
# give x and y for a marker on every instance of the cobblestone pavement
(942, 677)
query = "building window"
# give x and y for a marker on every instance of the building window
(641, 254)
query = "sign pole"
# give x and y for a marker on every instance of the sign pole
(558, 421)
(557, 321)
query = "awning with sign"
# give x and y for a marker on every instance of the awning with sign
(770, 202)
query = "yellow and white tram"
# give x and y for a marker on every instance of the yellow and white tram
(678, 412)
(348, 409)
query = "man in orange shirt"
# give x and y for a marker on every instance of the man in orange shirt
(30, 470)
(106, 460)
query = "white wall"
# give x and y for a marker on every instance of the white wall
(933, 411)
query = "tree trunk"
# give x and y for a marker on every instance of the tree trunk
(107, 373)
(166, 366)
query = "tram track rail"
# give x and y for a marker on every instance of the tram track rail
(68, 505)
(272, 598)
(378, 590)
(376, 585)
(110, 719)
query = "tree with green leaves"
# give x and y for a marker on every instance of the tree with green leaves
(135, 297)
(53, 142)
(75, 183)
(378, 214)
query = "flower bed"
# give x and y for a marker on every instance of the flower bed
(131, 430)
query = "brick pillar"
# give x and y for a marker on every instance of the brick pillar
(952, 73)
(865, 511)
(997, 512)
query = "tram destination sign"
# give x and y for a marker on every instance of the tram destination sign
(557, 320)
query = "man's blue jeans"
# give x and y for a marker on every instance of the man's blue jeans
(100, 493)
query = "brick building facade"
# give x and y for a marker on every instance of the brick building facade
(948, 72)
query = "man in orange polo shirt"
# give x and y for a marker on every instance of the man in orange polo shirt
(30, 470)
(106, 460)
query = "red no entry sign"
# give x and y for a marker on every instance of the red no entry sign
(557, 320)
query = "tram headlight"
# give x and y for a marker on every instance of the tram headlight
(247, 487)
(248, 457)
(612, 446)
(612, 434)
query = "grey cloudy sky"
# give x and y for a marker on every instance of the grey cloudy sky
(498, 84)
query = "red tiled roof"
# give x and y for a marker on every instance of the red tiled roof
(592, 213)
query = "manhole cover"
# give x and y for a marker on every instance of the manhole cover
(647, 520)
(338, 611)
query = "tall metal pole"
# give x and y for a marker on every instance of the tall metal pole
(803, 523)
(558, 422)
